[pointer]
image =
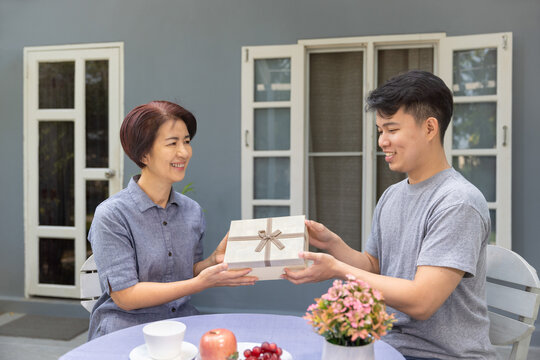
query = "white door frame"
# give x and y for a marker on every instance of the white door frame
(114, 53)
(503, 149)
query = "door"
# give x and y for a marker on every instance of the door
(272, 131)
(478, 70)
(73, 159)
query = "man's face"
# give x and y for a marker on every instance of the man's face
(403, 141)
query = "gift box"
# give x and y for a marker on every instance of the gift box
(267, 245)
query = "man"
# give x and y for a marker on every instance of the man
(427, 248)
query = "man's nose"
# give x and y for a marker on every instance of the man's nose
(383, 140)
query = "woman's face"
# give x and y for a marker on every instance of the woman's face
(169, 156)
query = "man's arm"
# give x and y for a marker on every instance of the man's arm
(419, 298)
(323, 238)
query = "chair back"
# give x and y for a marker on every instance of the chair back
(513, 287)
(90, 287)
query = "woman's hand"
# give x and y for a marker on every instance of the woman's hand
(324, 267)
(219, 275)
(320, 236)
(219, 254)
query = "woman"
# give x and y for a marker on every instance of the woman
(147, 239)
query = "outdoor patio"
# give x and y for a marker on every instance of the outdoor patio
(23, 348)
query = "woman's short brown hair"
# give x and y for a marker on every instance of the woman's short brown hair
(139, 128)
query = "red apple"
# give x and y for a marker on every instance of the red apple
(217, 344)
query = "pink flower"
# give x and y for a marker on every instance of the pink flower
(350, 313)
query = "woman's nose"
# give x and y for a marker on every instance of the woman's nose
(182, 150)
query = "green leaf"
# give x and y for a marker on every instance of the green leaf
(187, 188)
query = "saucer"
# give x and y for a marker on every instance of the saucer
(189, 352)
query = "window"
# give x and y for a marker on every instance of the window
(73, 101)
(340, 173)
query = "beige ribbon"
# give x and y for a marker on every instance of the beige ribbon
(266, 240)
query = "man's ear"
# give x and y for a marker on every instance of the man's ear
(432, 127)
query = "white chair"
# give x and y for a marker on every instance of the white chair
(90, 287)
(512, 286)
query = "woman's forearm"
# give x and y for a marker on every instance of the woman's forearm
(148, 294)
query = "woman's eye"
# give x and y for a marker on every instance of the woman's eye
(187, 141)
(172, 144)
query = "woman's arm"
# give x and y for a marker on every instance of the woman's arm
(210, 272)
(147, 294)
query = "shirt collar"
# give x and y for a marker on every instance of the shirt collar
(142, 200)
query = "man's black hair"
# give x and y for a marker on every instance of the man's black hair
(420, 93)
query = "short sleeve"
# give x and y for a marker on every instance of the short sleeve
(199, 254)
(454, 237)
(113, 250)
(372, 246)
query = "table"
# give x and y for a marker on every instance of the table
(290, 332)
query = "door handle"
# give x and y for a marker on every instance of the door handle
(110, 173)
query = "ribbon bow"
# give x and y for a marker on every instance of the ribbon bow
(265, 239)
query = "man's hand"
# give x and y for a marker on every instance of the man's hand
(324, 267)
(320, 236)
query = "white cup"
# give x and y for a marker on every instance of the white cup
(164, 339)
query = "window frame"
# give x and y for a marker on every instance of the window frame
(370, 45)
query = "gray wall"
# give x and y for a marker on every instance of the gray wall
(189, 51)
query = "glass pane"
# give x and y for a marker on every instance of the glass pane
(272, 178)
(270, 211)
(56, 85)
(273, 79)
(475, 72)
(335, 101)
(493, 235)
(475, 126)
(385, 176)
(56, 173)
(335, 195)
(396, 61)
(273, 129)
(96, 192)
(479, 170)
(97, 113)
(56, 261)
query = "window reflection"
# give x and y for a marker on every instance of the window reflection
(475, 72)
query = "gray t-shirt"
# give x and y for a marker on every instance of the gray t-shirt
(134, 240)
(442, 221)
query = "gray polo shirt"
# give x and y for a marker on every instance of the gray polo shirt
(134, 240)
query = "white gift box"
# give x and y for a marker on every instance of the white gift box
(267, 245)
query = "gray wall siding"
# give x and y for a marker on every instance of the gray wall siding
(189, 52)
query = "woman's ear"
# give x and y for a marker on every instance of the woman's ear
(144, 159)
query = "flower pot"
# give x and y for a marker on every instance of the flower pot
(334, 352)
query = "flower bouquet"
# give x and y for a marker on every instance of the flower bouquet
(350, 314)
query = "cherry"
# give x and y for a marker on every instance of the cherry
(272, 347)
(279, 351)
(265, 347)
(256, 351)
(247, 353)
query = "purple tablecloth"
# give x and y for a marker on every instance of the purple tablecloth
(289, 332)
